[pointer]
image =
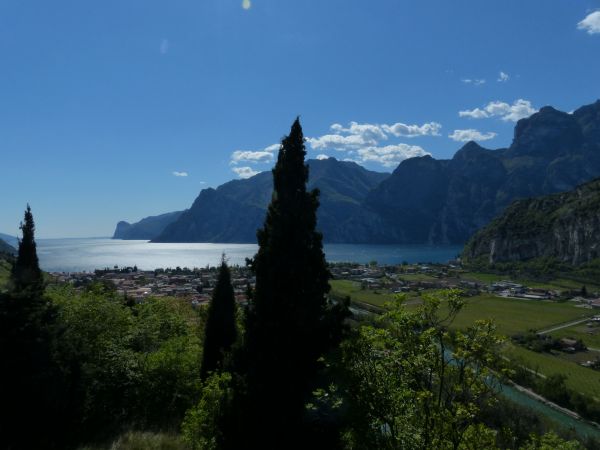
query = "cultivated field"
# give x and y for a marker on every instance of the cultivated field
(513, 316)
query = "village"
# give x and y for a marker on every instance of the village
(196, 285)
(193, 285)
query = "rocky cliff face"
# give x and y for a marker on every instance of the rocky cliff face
(147, 228)
(563, 226)
(433, 201)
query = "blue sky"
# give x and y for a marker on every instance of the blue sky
(122, 109)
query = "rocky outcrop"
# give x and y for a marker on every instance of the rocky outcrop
(563, 226)
(147, 228)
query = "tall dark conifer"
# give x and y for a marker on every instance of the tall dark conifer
(30, 383)
(220, 331)
(289, 326)
(26, 277)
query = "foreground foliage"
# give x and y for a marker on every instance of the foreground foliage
(413, 384)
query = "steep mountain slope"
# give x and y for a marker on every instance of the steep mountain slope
(564, 226)
(447, 201)
(235, 210)
(6, 248)
(147, 228)
(10, 240)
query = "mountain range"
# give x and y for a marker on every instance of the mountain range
(424, 200)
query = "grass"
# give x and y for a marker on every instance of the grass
(580, 379)
(417, 277)
(557, 284)
(135, 440)
(511, 316)
(343, 288)
(514, 316)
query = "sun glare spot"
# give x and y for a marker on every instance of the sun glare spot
(246, 4)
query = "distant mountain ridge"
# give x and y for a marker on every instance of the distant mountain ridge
(424, 201)
(9, 240)
(5, 247)
(235, 210)
(147, 228)
(564, 226)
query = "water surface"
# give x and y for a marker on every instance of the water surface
(74, 255)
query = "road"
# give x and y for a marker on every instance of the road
(564, 325)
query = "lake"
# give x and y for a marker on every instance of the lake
(77, 255)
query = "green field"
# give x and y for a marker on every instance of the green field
(511, 316)
(580, 379)
(417, 277)
(558, 284)
(514, 316)
(343, 288)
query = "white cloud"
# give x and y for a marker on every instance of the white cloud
(322, 157)
(518, 110)
(471, 135)
(473, 81)
(390, 155)
(339, 142)
(245, 172)
(366, 130)
(273, 148)
(251, 157)
(503, 77)
(246, 4)
(401, 129)
(591, 23)
(164, 47)
(360, 135)
(361, 141)
(180, 174)
(254, 157)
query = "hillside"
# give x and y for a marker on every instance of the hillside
(565, 227)
(147, 228)
(10, 240)
(6, 248)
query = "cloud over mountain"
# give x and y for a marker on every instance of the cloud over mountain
(518, 110)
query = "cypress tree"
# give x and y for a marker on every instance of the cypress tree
(220, 332)
(289, 326)
(26, 276)
(30, 382)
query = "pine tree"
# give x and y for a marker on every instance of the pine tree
(26, 276)
(289, 326)
(220, 331)
(30, 383)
